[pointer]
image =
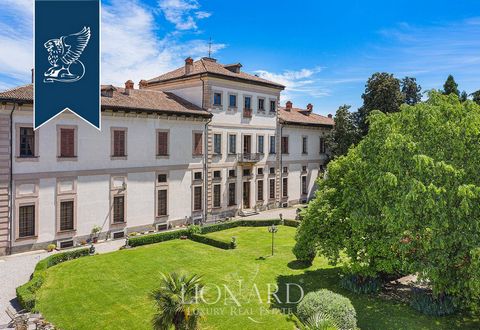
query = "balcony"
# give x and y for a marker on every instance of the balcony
(248, 157)
(247, 113)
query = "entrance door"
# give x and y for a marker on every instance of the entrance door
(246, 195)
(247, 144)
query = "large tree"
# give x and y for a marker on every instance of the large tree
(476, 97)
(382, 92)
(450, 86)
(411, 90)
(345, 132)
(406, 198)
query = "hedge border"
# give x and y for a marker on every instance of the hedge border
(26, 292)
(156, 238)
(212, 241)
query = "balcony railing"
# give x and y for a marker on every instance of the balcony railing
(248, 157)
(247, 113)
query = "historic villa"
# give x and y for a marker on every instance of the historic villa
(200, 143)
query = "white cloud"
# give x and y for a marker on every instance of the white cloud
(298, 84)
(183, 13)
(131, 47)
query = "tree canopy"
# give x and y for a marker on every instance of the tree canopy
(411, 90)
(476, 97)
(450, 86)
(382, 92)
(406, 199)
(345, 132)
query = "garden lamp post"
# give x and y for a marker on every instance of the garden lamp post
(272, 229)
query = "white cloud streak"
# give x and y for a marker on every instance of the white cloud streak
(183, 13)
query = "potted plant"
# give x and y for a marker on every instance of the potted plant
(51, 247)
(95, 231)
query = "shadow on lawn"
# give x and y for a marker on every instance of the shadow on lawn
(372, 312)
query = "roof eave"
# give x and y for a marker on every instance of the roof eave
(200, 113)
(295, 123)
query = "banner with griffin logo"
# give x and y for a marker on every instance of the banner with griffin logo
(67, 60)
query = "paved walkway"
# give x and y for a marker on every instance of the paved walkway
(16, 269)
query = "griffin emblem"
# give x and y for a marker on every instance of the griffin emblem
(64, 54)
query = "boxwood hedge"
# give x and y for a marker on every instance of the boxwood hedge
(211, 241)
(156, 238)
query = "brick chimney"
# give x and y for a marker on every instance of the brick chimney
(128, 86)
(33, 76)
(188, 65)
(288, 105)
(309, 108)
(330, 116)
(142, 84)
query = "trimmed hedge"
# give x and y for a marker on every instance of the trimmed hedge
(26, 293)
(291, 223)
(157, 238)
(211, 241)
(239, 223)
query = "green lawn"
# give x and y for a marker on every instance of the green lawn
(111, 291)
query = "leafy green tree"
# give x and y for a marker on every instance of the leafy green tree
(176, 302)
(450, 86)
(405, 199)
(476, 97)
(463, 96)
(382, 92)
(345, 133)
(412, 92)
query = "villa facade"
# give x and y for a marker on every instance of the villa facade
(198, 144)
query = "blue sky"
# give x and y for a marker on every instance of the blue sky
(323, 51)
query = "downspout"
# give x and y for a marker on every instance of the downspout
(10, 185)
(281, 165)
(205, 171)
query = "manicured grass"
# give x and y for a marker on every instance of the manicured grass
(111, 291)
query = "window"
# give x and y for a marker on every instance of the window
(217, 99)
(304, 185)
(285, 187)
(260, 190)
(66, 215)
(197, 198)
(232, 194)
(216, 195)
(247, 102)
(27, 142)
(261, 104)
(304, 168)
(161, 178)
(67, 142)
(118, 209)
(119, 140)
(232, 144)
(273, 105)
(272, 170)
(323, 148)
(217, 174)
(260, 171)
(217, 144)
(284, 144)
(231, 173)
(272, 145)
(285, 169)
(162, 143)
(304, 145)
(272, 188)
(232, 101)
(260, 144)
(26, 221)
(197, 144)
(246, 172)
(197, 176)
(162, 202)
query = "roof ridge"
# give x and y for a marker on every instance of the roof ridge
(14, 88)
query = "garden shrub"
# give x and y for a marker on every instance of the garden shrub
(156, 238)
(360, 284)
(304, 252)
(425, 302)
(239, 223)
(211, 241)
(291, 223)
(331, 306)
(26, 293)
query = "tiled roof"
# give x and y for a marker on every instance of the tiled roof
(298, 116)
(207, 65)
(137, 100)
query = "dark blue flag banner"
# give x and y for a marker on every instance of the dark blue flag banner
(67, 59)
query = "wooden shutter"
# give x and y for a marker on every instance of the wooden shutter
(197, 144)
(162, 144)
(162, 202)
(285, 144)
(26, 221)
(67, 142)
(118, 209)
(119, 143)
(66, 215)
